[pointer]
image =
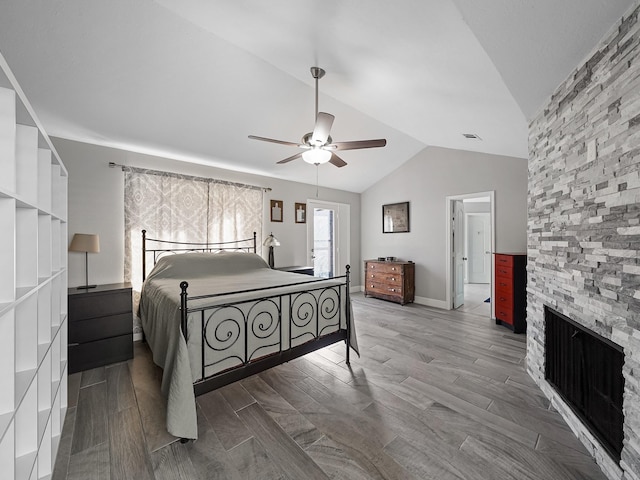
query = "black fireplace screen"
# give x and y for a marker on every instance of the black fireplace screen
(586, 370)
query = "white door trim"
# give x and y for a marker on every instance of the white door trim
(448, 256)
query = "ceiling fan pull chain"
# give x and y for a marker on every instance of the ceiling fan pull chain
(317, 179)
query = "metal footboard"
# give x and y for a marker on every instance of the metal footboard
(240, 338)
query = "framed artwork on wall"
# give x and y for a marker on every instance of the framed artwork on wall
(301, 213)
(395, 217)
(276, 210)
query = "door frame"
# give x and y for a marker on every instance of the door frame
(449, 200)
(342, 240)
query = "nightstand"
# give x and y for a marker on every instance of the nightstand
(100, 326)
(297, 269)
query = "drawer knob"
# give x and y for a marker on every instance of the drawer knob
(393, 268)
(371, 286)
(393, 289)
(372, 275)
(393, 279)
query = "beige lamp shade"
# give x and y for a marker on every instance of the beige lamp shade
(85, 242)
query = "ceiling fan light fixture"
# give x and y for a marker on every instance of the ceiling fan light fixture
(316, 156)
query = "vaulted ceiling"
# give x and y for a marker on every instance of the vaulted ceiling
(191, 79)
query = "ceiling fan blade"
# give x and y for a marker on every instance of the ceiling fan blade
(357, 144)
(291, 158)
(281, 142)
(322, 128)
(337, 161)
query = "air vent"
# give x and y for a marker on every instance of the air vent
(471, 136)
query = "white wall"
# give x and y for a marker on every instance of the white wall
(96, 205)
(425, 181)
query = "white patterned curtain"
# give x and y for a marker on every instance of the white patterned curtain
(183, 208)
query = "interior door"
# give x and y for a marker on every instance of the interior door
(457, 256)
(328, 237)
(478, 247)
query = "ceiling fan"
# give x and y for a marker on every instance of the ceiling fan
(318, 145)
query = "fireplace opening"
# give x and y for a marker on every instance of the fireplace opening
(586, 371)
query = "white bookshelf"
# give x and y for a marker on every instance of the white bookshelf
(33, 289)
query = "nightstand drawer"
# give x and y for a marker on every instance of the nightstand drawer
(99, 305)
(85, 356)
(101, 327)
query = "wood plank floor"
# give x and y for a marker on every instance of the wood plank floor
(434, 395)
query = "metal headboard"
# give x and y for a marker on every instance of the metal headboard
(248, 245)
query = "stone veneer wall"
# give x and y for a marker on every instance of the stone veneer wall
(583, 227)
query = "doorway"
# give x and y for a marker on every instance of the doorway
(470, 245)
(328, 237)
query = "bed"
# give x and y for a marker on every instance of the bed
(217, 313)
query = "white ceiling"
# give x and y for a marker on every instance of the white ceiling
(190, 79)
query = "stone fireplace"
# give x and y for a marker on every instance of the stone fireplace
(584, 225)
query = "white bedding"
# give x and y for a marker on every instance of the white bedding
(223, 272)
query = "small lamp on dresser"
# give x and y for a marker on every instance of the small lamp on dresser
(271, 242)
(87, 243)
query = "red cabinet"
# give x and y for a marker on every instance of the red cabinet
(511, 290)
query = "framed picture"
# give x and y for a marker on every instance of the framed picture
(301, 213)
(395, 217)
(276, 210)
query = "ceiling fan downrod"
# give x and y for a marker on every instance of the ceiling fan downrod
(317, 73)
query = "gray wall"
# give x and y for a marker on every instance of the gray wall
(584, 235)
(96, 205)
(425, 181)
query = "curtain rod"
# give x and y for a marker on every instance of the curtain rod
(124, 167)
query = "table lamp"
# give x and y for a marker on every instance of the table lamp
(271, 242)
(87, 243)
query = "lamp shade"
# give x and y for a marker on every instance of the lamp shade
(316, 156)
(271, 241)
(85, 242)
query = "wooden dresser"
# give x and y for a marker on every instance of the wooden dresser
(511, 290)
(393, 281)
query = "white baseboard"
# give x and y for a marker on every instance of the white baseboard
(427, 302)
(430, 302)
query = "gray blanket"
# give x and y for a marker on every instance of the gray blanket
(207, 273)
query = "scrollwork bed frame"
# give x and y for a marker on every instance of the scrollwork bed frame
(318, 302)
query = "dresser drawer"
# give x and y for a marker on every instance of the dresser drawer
(504, 272)
(504, 314)
(385, 268)
(504, 301)
(101, 327)
(384, 288)
(504, 260)
(504, 290)
(100, 305)
(504, 283)
(388, 278)
(85, 356)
